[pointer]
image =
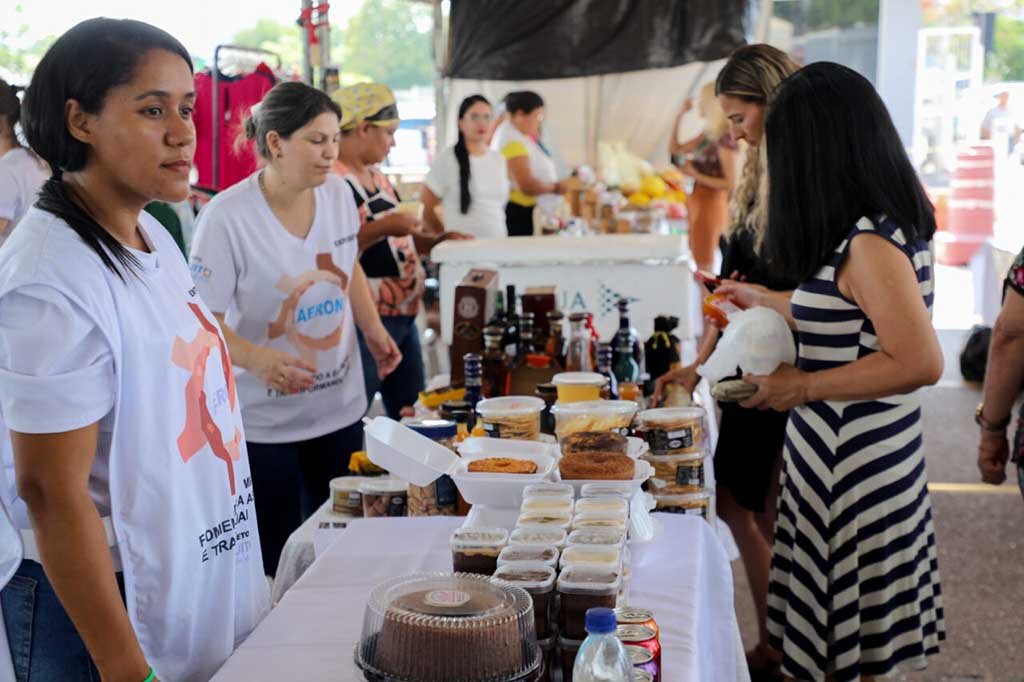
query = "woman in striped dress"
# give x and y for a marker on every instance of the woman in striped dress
(854, 590)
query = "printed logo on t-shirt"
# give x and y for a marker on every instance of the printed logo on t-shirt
(200, 272)
(313, 313)
(206, 413)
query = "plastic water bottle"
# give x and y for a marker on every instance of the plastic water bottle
(601, 657)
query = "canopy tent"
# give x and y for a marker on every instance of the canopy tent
(607, 69)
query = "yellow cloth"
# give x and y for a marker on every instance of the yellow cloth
(360, 465)
(514, 150)
(361, 101)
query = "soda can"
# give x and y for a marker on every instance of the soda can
(631, 615)
(643, 660)
(642, 676)
(642, 636)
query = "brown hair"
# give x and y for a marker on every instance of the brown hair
(752, 74)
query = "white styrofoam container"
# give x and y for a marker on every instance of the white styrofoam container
(483, 516)
(643, 471)
(502, 491)
(498, 447)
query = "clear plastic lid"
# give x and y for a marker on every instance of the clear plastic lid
(596, 536)
(510, 406)
(670, 418)
(579, 379)
(600, 555)
(538, 535)
(608, 488)
(383, 486)
(556, 505)
(593, 415)
(544, 519)
(479, 538)
(597, 520)
(685, 501)
(535, 578)
(602, 505)
(347, 484)
(435, 626)
(537, 554)
(589, 579)
(549, 490)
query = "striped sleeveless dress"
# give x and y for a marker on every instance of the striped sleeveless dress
(854, 586)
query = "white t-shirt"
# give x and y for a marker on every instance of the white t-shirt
(290, 294)
(144, 358)
(542, 166)
(488, 189)
(21, 176)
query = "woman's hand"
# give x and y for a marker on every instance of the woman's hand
(384, 351)
(688, 169)
(282, 371)
(782, 390)
(398, 224)
(686, 377)
(744, 295)
(993, 453)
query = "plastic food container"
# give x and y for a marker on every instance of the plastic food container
(592, 555)
(581, 588)
(698, 504)
(623, 489)
(538, 535)
(574, 387)
(534, 554)
(641, 472)
(539, 581)
(567, 650)
(439, 498)
(672, 430)
(439, 627)
(476, 550)
(563, 521)
(680, 474)
(557, 505)
(556, 490)
(594, 415)
(384, 497)
(596, 520)
(602, 505)
(600, 537)
(513, 417)
(345, 496)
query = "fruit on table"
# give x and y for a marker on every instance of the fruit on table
(653, 186)
(639, 199)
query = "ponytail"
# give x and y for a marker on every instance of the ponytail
(54, 198)
(462, 154)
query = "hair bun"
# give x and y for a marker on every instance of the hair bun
(249, 127)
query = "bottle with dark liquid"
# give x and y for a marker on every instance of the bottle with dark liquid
(627, 371)
(494, 364)
(524, 347)
(555, 346)
(604, 368)
(474, 392)
(578, 357)
(627, 332)
(511, 341)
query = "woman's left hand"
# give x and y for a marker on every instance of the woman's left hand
(782, 390)
(384, 351)
(688, 169)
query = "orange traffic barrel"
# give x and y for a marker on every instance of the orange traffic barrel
(971, 209)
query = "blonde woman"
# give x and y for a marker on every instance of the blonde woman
(710, 159)
(749, 451)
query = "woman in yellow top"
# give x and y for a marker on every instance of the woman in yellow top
(531, 168)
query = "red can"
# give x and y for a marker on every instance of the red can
(631, 615)
(643, 659)
(641, 636)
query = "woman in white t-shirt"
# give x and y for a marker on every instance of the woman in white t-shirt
(469, 180)
(22, 173)
(139, 555)
(275, 258)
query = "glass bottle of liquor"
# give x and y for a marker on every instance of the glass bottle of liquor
(555, 347)
(577, 357)
(511, 341)
(474, 377)
(604, 367)
(494, 364)
(627, 371)
(629, 332)
(525, 345)
(499, 311)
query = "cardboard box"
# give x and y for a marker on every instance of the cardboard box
(540, 301)
(474, 302)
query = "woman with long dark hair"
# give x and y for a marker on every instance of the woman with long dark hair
(134, 502)
(531, 167)
(470, 180)
(749, 451)
(854, 590)
(275, 258)
(22, 173)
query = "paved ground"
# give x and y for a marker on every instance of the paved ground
(980, 529)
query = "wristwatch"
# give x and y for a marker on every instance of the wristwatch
(986, 424)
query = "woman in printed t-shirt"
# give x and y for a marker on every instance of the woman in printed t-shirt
(389, 239)
(275, 259)
(22, 173)
(469, 180)
(139, 555)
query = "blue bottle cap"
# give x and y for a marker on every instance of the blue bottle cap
(600, 621)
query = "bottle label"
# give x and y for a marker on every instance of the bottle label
(493, 430)
(664, 441)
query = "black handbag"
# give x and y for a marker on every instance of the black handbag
(974, 355)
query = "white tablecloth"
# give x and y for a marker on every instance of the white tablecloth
(311, 634)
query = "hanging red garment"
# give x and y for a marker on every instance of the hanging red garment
(235, 97)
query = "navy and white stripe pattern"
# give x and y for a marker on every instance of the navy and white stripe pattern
(854, 588)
